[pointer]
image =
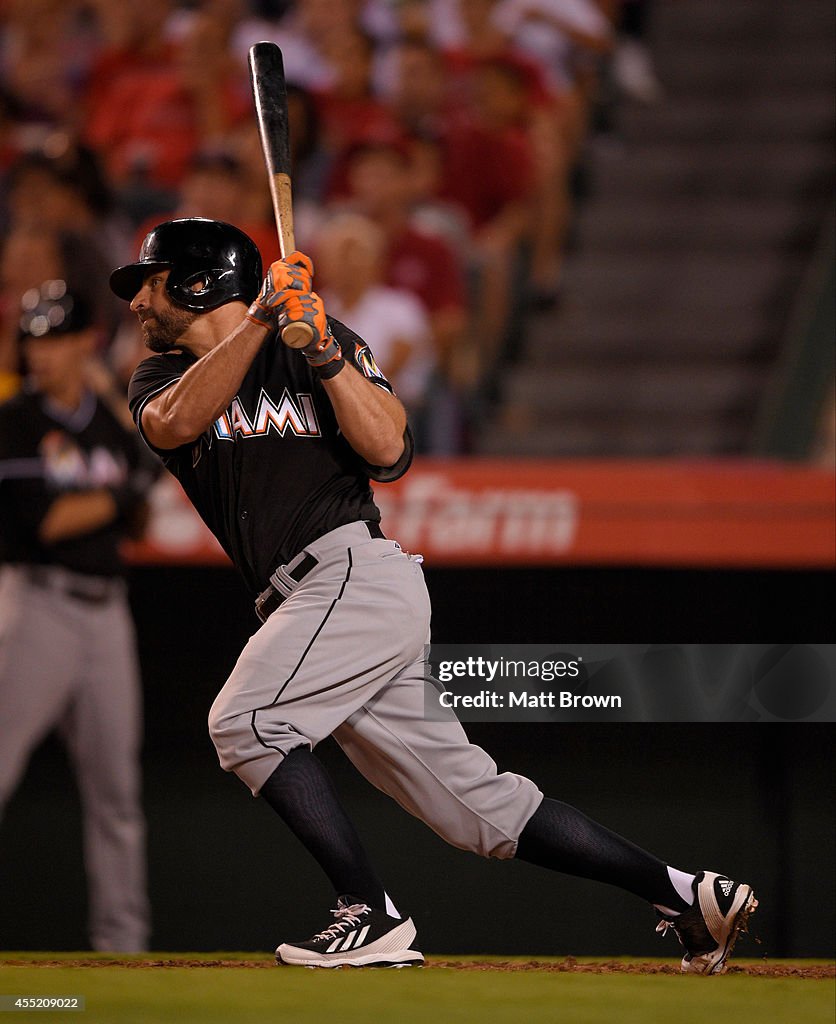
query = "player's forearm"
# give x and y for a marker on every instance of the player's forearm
(371, 420)
(189, 407)
(72, 515)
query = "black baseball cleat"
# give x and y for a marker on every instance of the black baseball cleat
(709, 929)
(359, 937)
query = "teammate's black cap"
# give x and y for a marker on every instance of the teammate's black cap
(210, 263)
(51, 311)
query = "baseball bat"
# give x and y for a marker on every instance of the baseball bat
(270, 96)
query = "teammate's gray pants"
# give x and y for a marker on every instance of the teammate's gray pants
(344, 654)
(71, 665)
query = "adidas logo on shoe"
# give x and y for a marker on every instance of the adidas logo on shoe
(341, 944)
(359, 937)
(726, 884)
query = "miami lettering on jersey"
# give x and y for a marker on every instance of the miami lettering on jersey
(296, 414)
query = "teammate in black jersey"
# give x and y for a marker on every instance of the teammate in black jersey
(275, 447)
(71, 480)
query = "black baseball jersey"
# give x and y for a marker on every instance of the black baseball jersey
(273, 473)
(46, 452)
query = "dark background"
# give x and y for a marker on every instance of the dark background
(751, 800)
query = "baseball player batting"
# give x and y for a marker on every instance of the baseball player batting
(276, 448)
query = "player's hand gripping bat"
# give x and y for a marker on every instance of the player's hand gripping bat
(270, 95)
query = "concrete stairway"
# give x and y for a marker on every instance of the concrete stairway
(691, 247)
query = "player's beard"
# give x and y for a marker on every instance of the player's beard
(162, 331)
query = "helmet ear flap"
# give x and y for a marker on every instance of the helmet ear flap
(201, 290)
(197, 283)
(194, 287)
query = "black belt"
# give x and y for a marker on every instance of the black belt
(274, 595)
(95, 590)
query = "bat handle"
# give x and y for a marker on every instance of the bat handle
(297, 335)
(300, 334)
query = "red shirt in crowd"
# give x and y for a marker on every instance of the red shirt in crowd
(142, 119)
(483, 171)
(427, 267)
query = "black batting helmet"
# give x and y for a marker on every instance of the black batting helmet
(51, 311)
(211, 263)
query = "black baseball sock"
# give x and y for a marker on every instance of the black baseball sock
(302, 794)
(560, 837)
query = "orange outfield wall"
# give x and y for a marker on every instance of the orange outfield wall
(724, 513)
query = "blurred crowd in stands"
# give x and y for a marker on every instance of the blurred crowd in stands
(438, 152)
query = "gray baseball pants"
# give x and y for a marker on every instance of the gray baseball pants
(71, 665)
(344, 655)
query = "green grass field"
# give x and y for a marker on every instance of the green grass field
(433, 995)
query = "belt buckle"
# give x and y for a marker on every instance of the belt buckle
(261, 600)
(283, 582)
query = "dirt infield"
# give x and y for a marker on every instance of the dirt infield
(569, 965)
(572, 966)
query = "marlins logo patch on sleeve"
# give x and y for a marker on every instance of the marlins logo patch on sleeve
(365, 363)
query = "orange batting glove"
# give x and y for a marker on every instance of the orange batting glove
(323, 353)
(294, 271)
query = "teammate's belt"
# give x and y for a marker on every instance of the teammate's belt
(288, 577)
(90, 590)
